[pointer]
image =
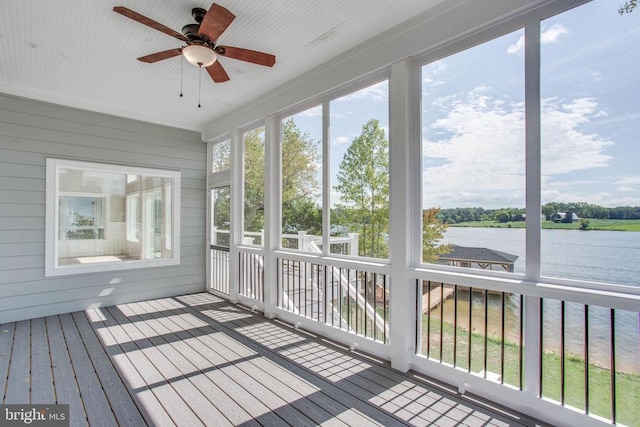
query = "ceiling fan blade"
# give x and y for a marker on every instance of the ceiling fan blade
(217, 72)
(159, 56)
(148, 22)
(215, 22)
(253, 56)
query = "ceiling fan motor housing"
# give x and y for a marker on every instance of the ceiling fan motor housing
(190, 31)
(198, 14)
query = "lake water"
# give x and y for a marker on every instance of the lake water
(599, 256)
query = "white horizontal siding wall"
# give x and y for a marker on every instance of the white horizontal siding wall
(31, 131)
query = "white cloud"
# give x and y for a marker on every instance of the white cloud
(476, 151)
(376, 92)
(340, 140)
(482, 154)
(565, 148)
(311, 112)
(628, 184)
(547, 36)
(550, 35)
(628, 180)
(517, 48)
(432, 72)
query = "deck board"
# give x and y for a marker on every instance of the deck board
(64, 378)
(212, 363)
(19, 382)
(157, 372)
(181, 366)
(110, 336)
(262, 401)
(42, 390)
(124, 408)
(199, 360)
(95, 402)
(6, 347)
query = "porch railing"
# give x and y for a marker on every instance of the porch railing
(219, 269)
(352, 299)
(251, 275)
(587, 356)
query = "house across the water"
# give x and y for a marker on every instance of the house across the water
(563, 217)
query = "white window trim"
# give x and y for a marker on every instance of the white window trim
(52, 269)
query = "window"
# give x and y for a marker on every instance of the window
(473, 172)
(81, 217)
(301, 181)
(590, 180)
(253, 142)
(100, 218)
(221, 156)
(359, 166)
(357, 171)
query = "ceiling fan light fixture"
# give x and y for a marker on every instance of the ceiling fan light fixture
(198, 55)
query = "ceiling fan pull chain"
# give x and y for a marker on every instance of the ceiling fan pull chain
(181, 64)
(199, 84)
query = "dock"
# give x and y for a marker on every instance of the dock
(434, 298)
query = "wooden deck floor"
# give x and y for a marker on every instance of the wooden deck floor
(198, 360)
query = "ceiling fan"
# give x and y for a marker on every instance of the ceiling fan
(201, 41)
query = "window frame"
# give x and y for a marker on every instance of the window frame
(324, 102)
(243, 131)
(460, 45)
(52, 215)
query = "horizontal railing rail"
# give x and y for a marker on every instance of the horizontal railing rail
(615, 297)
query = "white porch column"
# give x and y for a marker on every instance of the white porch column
(237, 212)
(272, 217)
(533, 204)
(404, 229)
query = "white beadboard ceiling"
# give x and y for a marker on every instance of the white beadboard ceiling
(80, 53)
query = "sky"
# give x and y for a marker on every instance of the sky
(473, 116)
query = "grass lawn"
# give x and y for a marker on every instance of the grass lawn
(627, 385)
(594, 224)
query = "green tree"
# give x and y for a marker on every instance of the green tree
(363, 183)
(503, 216)
(300, 187)
(222, 156)
(432, 231)
(628, 7)
(254, 180)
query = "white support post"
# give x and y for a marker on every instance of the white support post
(237, 215)
(302, 241)
(326, 178)
(353, 244)
(209, 222)
(533, 204)
(404, 161)
(271, 235)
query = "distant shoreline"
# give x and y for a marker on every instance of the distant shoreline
(594, 224)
